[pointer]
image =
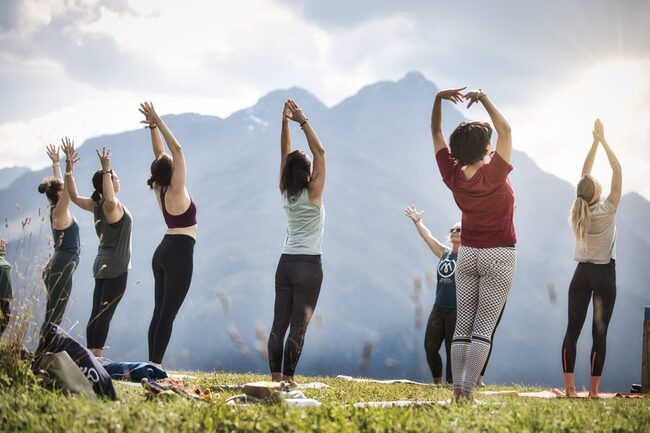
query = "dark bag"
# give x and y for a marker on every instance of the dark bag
(56, 339)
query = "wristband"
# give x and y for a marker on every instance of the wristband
(303, 123)
(152, 127)
(68, 173)
(109, 171)
(55, 164)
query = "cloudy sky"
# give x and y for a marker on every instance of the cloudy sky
(79, 67)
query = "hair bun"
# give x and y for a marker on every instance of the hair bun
(43, 187)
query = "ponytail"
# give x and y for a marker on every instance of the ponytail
(98, 184)
(580, 220)
(579, 216)
(295, 174)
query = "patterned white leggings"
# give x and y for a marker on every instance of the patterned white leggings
(483, 280)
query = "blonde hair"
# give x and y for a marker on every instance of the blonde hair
(579, 217)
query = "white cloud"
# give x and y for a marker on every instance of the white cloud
(555, 128)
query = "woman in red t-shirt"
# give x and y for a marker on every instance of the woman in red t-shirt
(478, 180)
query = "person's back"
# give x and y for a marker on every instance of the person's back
(600, 240)
(305, 225)
(114, 250)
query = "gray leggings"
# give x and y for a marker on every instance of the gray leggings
(57, 277)
(483, 280)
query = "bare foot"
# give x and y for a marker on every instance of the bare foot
(276, 377)
(290, 382)
(571, 392)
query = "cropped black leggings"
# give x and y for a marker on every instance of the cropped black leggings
(298, 279)
(440, 326)
(172, 266)
(590, 280)
(5, 315)
(57, 277)
(108, 293)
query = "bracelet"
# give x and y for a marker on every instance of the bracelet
(152, 127)
(481, 94)
(68, 173)
(56, 164)
(109, 171)
(303, 123)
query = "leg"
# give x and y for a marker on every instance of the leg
(59, 286)
(92, 323)
(604, 298)
(450, 325)
(579, 297)
(467, 281)
(307, 278)
(111, 295)
(497, 268)
(433, 337)
(281, 318)
(177, 280)
(480, 378)
(159, 289)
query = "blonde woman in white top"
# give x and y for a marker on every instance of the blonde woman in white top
(593, 223)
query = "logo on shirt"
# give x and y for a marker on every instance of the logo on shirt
(446, 268)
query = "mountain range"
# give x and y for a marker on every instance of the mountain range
(377, 290)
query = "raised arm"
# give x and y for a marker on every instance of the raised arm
(436, 246)
(156, 142)
(71, 158)
(319, 169)
(60, 214)
(617, 172)
(453, 95)
(112, 206)
(179, 172)
(591, 155)
(285, 136)
(504, 141)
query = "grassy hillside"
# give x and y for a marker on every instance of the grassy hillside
(26, 407)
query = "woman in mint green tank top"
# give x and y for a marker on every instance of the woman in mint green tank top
(299, 273)
(57, 274)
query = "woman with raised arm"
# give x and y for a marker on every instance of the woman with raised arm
(57, 275)
(113, 227)
(478, 180)
(172, 262)
(442, 319)
(299, 274)
(594, 225)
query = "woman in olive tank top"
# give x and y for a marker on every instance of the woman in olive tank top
(299, 273)
(113, 227)
(57, 274)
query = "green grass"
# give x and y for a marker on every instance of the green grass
(27, 407)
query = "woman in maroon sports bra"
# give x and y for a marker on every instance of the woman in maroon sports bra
(173, 260)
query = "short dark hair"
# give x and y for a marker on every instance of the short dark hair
(469, 141)
(295, 174)
(50, 187)
(161, 171)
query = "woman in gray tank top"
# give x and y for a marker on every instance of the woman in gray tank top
(57, 274)
(299, 273)
(593, 224)
(113, 226)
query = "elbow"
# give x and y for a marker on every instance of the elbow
(504, 130)
(110, 205)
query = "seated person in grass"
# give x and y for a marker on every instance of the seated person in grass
(6, 292)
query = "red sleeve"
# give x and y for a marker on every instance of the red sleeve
(446, 163)
(498, 169)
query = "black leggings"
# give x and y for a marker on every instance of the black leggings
(600, 281)
(57, 277)
(440, 326)
(172, 266)
(5, 314)
(108, 293)
(298, 279)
